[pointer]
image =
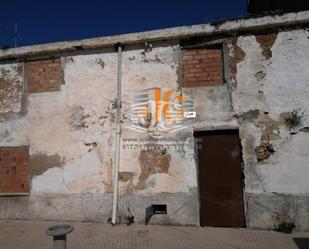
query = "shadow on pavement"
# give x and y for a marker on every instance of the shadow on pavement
(302, 243)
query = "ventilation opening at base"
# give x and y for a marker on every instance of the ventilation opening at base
(155, 209)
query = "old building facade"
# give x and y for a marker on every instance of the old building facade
(248, 79)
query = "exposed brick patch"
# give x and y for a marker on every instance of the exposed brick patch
(266, 42)
(202, 67)
(125, 176)
(14, 172)
(237, 55)
(264, 150)
(152, 162)
(43, 75)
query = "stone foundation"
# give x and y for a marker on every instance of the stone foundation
(268, 210)
(182, 209)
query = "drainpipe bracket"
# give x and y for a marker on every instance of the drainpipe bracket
(117, 45)
(117, 104)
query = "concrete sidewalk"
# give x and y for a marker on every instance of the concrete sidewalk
(31, 235)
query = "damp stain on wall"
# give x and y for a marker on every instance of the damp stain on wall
(39, 163)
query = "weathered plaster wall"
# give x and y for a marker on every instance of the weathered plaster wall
(71, 138)
(71, 134)
(272, 80)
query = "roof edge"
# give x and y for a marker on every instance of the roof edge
(230, 26)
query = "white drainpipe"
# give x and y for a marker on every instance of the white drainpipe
(117, 139)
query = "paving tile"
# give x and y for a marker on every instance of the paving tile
(31, 235)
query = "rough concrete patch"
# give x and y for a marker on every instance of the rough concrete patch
(4, 134)
(39, 163)
(125, 176)
(236, 57)
(266, 42)
(271, 128)
(106, 157)
(22, 207)
(302, 209)
(11, 88)
(268, 210)
(248, 148)
(182, 208)
(68, 59)
(152, 162)
(249, 115)
(77, 117)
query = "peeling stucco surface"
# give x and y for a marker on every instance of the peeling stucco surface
(144, 70)
(266, 42)
(73, 130)
(236, 55)
(81, 176)
(75, 127)
(39, 163)
(11, 87)
(269, 87)
(284, 88)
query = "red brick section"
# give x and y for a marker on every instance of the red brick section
(43, 75)
(14, 175)
(202, 67)
(237, 56)
(266, 42)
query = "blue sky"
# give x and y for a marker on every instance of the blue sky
(50, 21)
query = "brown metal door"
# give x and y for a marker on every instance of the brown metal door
(220, 179)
